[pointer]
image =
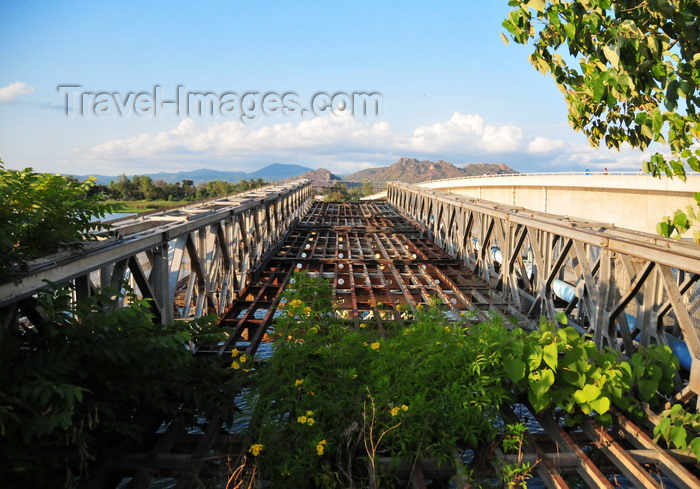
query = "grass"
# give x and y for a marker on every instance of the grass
(138, 206)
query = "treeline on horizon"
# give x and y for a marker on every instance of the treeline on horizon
(141, 187)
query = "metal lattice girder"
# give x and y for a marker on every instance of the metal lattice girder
(625, 287)
(189, 261)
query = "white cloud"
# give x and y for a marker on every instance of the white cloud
(353, 141)
(543, 145)
(465, 132)
(13, 91)
(345, 144)
(501, 139)
(626, 159)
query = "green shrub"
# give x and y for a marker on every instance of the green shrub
(75, 389)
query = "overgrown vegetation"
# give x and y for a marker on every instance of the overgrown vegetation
(41, 213)
(85, 380)
(335, 400)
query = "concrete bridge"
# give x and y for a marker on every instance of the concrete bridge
(628, 200)
(235, 256)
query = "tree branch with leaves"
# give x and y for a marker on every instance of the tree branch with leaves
(629, 72)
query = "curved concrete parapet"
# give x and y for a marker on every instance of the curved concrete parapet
(629, 200)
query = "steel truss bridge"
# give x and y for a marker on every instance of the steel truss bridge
(235, 256)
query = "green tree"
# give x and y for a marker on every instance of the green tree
(41, 213)
(122, 187)
(218, 188)
(339, 192)
(629, 71)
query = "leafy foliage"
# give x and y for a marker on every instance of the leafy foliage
(558, 367)
(40, 213)
(680, 429)
(88, 379)
(629, 71)
(361, 394)
(335, 396)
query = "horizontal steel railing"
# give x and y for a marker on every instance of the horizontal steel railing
(624, 287)
(189, 261)
(549, 174)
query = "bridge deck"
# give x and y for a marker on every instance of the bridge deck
(378, 260)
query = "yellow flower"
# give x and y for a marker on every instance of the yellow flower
(404, 407)
(243, 359)
(298, 382)
(295, 303)
(309, 413)
(319, 449)
(375, 346)
(395, 411)
(256, 449)
(301, 419)
(363, 325)
(307, 310)
(310, 421)
(419, 307)
(438, 342)
(235, 365)
(398, 307)
(235, 352)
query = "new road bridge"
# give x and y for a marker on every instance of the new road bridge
(235, 256)
(630, 200)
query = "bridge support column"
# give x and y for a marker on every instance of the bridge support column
(160, 278)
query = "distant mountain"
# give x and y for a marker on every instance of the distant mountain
(278, 171)
(200, 176)
(411, 170)
(275, 171)
(320, 177)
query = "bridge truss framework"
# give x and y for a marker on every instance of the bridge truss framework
(379, 255)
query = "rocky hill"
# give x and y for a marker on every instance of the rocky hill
(320, 177)
(411, 170)
(473, 169)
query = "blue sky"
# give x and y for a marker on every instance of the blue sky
(451, 89)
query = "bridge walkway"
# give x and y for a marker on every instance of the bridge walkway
(381, 263)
